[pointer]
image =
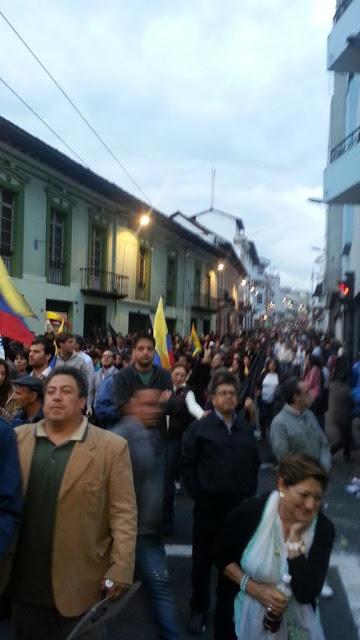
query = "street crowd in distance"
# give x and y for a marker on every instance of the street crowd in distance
(96, 440)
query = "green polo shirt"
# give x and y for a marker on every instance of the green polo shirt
(31, 582)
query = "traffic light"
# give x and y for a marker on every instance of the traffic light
(346, 287)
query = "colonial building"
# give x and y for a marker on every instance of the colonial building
(342, 175)
(75, 245)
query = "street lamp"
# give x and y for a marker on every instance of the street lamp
(144, 220)
(220, 266)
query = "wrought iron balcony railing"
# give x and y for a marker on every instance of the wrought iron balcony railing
(225, 298)
(341, 9)
(107, 284)
(350, 141)
(204, 302)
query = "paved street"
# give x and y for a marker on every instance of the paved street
(340, 615)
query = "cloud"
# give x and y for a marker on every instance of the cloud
(178, 87)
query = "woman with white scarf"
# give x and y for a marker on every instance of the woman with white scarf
(263, 539)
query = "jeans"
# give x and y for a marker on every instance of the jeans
(151, 570)
(172, 461)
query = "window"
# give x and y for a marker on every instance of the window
(7, 205)
(96, 256)
(259, 298)
(143, 272)
(171, 282)
(197, 283)
(57, 247)
(208, 288)
(142, 266)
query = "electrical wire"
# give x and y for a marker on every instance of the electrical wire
(71, 102)
(43, 122)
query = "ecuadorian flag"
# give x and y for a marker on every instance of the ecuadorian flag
(164, 355)
(13, 307)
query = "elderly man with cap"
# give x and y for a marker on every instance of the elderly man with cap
(28, 394)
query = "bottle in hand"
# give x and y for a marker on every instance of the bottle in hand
(272, 622)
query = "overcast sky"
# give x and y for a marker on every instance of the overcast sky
(178, 87)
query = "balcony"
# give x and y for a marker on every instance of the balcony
(342, 175)
(204, 302)
(225, 299)
(104, 284)
(343, 52)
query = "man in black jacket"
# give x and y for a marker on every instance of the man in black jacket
(142, 374)
(220, 465)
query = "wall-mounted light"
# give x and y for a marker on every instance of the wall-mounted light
(220, 266)
(144, 220)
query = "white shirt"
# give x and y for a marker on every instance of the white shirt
(269, 386)
(192, 406)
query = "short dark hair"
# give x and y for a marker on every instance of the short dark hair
(80, 342)
(267, 364)
(63, 337)
(290, 389)
(179, 365)
(74, 373)
(23, 355)
(49, 347)
(222, 376)
(143, 336)
(296, 468)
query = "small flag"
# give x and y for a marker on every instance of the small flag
(57, 321)
(195, 341)
(163, 345)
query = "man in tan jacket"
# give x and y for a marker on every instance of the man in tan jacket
(79, 522)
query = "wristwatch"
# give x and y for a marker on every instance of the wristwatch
(296, 546)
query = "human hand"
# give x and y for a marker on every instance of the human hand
(249, 404)
(269, 596)
(207, 355)
(165, 396)
(115, 591)
(296, 531)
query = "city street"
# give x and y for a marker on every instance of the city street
(340, 614)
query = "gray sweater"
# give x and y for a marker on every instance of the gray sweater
(146, 447)
(294, 432)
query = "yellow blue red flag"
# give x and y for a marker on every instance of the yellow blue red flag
(13, 307)
(163, 346)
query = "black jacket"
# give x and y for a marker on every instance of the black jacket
(127, 381)
(217, 463)
(308, 574)
(179, 418)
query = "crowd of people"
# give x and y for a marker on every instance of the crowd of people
(96, 440)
